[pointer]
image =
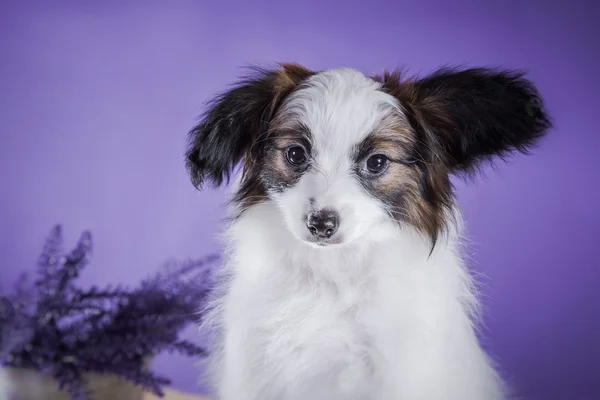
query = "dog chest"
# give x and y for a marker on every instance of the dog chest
(310, 337)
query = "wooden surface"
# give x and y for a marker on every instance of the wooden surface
(174, 395)
(25, 384)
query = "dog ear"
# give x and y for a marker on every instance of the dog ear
(474, 115)
(235, 120)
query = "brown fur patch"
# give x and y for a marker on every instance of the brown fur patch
(416, 187)
(289, 76)
(277, 173)
(270, 169)
(284, 81)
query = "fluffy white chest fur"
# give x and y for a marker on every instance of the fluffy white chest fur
(381, 321)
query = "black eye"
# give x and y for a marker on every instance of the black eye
(376, 163)
(296, 155)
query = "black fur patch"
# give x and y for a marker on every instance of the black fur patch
(230, 129)
(480, 114)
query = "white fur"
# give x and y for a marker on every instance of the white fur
(376, 317)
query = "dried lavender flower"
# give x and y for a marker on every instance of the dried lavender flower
(55, 327)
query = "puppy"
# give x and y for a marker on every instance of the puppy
(343, 277)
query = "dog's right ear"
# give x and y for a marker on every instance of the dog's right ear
(234, 121)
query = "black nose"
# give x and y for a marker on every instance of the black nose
(323, 224)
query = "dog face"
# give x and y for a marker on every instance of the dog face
(339, 162)
(347, 157)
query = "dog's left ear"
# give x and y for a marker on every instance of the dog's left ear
(234, 121)
(473, 115)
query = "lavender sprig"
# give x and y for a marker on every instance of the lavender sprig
(55, 327)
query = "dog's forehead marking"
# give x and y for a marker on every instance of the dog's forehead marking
(340, 107)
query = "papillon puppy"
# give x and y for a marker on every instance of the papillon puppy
(343, 277)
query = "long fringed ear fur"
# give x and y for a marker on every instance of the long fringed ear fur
(472, 116)
(235, 119)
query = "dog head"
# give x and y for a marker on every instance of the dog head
(345, 156)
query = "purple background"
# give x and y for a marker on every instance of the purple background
(96, 99)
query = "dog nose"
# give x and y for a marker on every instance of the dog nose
(323, 224)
